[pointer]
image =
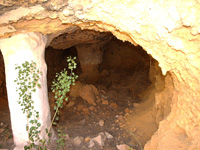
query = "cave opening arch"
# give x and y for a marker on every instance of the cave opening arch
(171, 40)
(104, 54)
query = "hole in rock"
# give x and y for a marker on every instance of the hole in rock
(111, 102)
(113, 80)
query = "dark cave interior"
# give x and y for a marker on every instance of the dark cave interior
(121, 68)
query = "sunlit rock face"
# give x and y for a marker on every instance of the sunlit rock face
(168, 31)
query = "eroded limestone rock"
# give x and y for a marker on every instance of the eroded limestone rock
(168, 31)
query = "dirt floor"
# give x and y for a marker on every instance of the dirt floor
(109, 115)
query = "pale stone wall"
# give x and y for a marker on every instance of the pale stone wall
(25, 47)
(167, 30)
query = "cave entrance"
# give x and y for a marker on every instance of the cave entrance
(111, 103)
(110, 95)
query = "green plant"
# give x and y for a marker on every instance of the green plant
(27, 81)
(61, 86)
(61, 140)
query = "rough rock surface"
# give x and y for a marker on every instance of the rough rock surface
(88, 93)
(2, 77)
(168, 31)
(77, 37)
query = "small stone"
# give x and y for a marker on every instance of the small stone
(126, 114)
(105, 102)
(127, 110)
(91, 144)
(108, 135)
(123, 147)
(100, 139)
(101, 123)
(88, 93)
(113, 128)
(114, 105)
(92, 108)
(98, 100)
(87, 139)
(102, 99)
(67, 137)
(78, 140)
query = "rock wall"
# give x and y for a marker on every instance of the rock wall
(123, 55)
(3, 92)
(168, 31)
(90, 57)
(163, 91)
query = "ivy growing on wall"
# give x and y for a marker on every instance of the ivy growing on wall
(28, 81)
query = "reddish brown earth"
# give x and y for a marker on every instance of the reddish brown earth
(115, 112)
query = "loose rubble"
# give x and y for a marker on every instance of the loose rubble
(91, 121)
(98, 122)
